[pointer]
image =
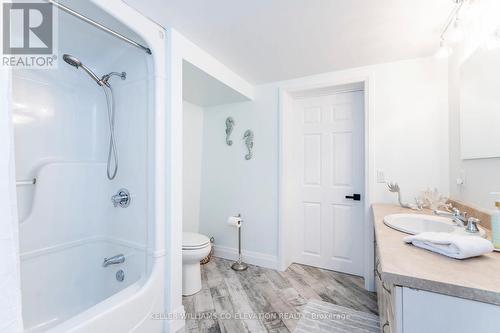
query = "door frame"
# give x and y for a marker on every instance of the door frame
(285, 105)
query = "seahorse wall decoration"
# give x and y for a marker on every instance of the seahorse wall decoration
(229, 130)
(248, 137)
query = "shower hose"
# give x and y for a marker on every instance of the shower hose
(111, 171)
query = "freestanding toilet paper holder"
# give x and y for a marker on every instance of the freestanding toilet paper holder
(239, 265)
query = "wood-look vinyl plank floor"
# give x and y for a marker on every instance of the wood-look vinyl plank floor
(265, 300)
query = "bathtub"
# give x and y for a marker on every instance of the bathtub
(62, 281)
(68, 225)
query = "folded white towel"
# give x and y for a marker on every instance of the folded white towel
(451, 245)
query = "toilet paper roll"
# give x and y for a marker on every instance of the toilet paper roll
(234, 221)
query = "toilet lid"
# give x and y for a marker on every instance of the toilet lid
(192, 240)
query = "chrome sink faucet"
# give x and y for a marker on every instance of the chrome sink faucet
(460, 218)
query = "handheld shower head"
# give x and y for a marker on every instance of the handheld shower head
(104, 84)
(73, 61)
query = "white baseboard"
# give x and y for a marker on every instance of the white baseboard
(250, 257)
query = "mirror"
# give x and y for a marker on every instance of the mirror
(480, 104)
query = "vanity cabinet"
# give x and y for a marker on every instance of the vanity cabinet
(389, 302)
(408, 310)
(432, 312)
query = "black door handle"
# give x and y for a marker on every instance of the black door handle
(355, 197)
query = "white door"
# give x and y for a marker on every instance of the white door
(327, 156)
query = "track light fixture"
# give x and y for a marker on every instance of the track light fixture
(448, 35)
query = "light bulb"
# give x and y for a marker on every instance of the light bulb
(444, 51)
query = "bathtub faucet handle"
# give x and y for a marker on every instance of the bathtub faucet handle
(122, 198)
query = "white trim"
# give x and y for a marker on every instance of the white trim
(284, 259)
(369, 236)
(173, 233)
(176, 325)
(250, 257)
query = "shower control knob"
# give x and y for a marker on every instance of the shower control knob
(122, 198)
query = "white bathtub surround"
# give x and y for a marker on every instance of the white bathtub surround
(10, 287)
(67, 217)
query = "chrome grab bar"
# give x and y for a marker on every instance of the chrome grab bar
(25, 182)
(98, 25)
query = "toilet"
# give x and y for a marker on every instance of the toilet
(194, 248)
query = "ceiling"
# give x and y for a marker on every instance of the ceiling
(201, 89)
(272, 40)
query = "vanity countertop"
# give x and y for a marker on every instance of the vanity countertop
(408, 266)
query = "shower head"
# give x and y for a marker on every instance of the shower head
(73, 61)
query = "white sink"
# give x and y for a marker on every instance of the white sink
(417, 223)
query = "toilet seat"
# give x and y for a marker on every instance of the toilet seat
(194, 241)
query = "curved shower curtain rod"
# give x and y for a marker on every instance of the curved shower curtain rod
(100, 26)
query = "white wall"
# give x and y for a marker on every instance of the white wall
(231, 184)
(411, 127)
(480, 174)
(410, 124)
(192, 159)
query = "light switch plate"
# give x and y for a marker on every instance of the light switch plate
(380, 176)
(461, 178)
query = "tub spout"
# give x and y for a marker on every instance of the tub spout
(118, 259)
